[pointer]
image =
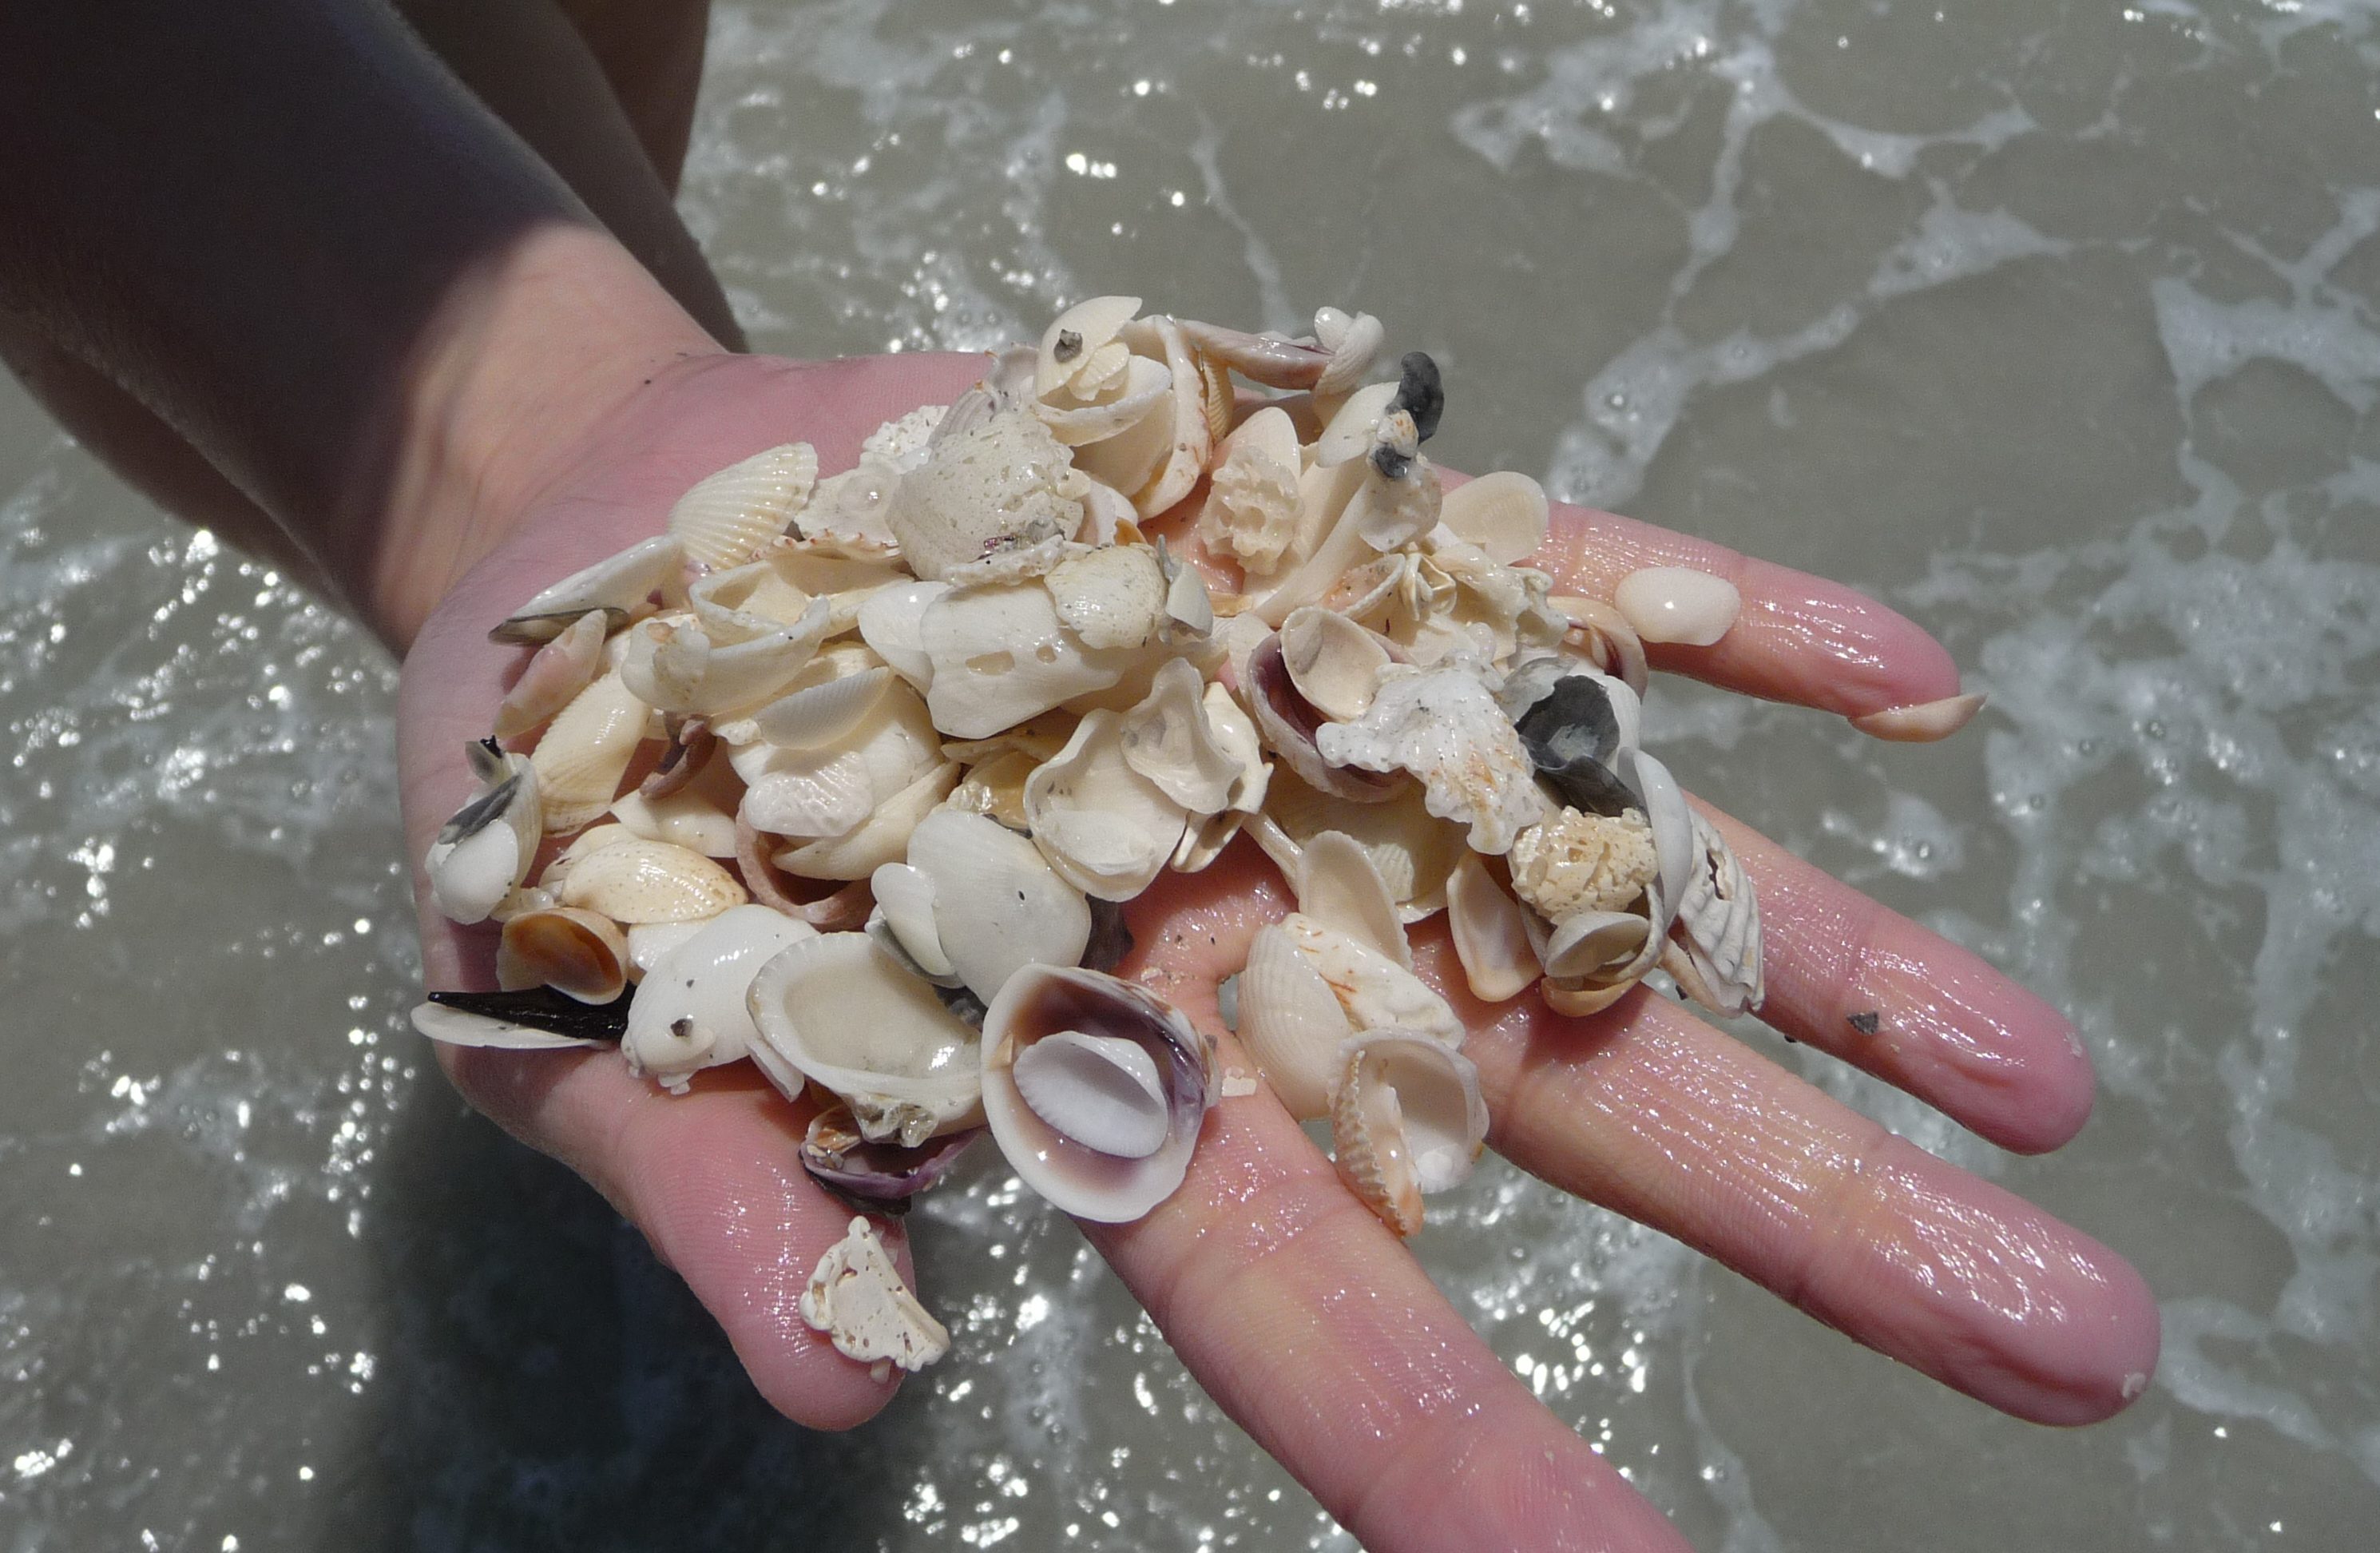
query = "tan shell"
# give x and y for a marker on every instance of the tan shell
(1290, 1023)
(586, 752)
(1575, 863)
(1407, 1119)
(1491, 938)
(578, 953)
(641, 881)
(728, 518)
(856, 1297)
(1335, 664)
(1505, 514)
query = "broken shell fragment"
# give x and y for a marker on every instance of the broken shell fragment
(1407, 1119)
(837, 1010)
(641, 881)
(727, 519)
(856, 1298)
(834, 1151)
(1442, 726)
(1335, 664)
(1491, 937)
(1106, 828)
(1090, 1083)
(1004, 483)
(998, 906)
(1112, 596)
(1169, 739)
(1576, 862)
(618, 585)
(690, 1010)
(1290, 724)
(1677, 604)
(1719, 921)
(1923, 723)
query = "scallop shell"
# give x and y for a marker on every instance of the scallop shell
(690, 1010)
(1442, 726)
(1093, 1087)
(1505, 514)
(1168, 738)
(1719, 918)
(557, 672)
(482, 853)
(618, 585)
(641, 881)
(837, 1010)
(577, 953)
(728, 518)
(1490, 933)
(1355, 344)
(998, 906)
(822, 713)
(1005, 482)
(585, 751)
(1407, 1119)
(1290, 1023)
(1107, 829)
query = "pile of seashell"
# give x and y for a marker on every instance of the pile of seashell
(856, 773)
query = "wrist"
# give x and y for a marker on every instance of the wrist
(526, 361)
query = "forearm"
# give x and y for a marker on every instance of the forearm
(287, 230)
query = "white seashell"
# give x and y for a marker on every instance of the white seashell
(1167, 737)
(1335, 664)
(1189, 607)
(456, 1027)
(881, 839)
(1677, 604)
(1400, 498)
(1005, 482)
(1591, 944)
(1602, 635)
(648, 941)
(1923, 723)
(1107, 829)
(1112, 596)
(822, 713)
(889, 623)
(1505, 514)
(641, 881)
(1048, 1002)
(1146, 386)
(829, 790)
(690, 1010)
(837, 1010)
(1338, 885)
(847, 510)
(904, 899)
(747, 601)
(901, 445)
(1290, 1023)
(855, 1296)
(594, 838)
(675, 666)
(1413, 850)
(577, 953)
(729, 516)
(1355, 427)
(585, 751)
(1187, 438)
(1673, 830)
(1376, 992)
(558, 671)
(1076, 336)
(1235, 734)
(1407, 1119)
(690, 818)
(1108, 514)
(1355, 344)
(1573, 862)
(1103, 1091)
(522, 897)
(996, 787)
(482, 853)
(998, 906)
(1290, 724)
(1442, 726)
(1001, 655)
(617, 584)
(1719, 918)
(1252, 494)
(1490, 933)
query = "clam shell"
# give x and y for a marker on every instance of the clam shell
(1407, 1119)
(1107, 829)
(1002, 656)
(881, 839)
(690, 818)
(1442, 726)
(1044, 1002)
(1290, 724)
(822, 713)
(1603, 636)
(996, 787)
(1145, 387)
(618, 585)
(890, 622)
(577, 953)
(848, 510)
(728, 518)
(746, 603)
(483, 852)
(1103, 1091)
(1505, 514)
(557, 672)
(648, 941)
(1589, 944)
(1335, 664)
(1677, 604)
(641, 881)
(585, 751)
(998, 906)
(1374, 990)
(1290, 1023)
(1168, 738)
(1490, 933)
(690, 1010)
(836, 1009)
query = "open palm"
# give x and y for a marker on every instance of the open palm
(1303, 1316)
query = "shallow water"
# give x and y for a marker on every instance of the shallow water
(2058, 326)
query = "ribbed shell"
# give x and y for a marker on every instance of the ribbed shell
(729, 518)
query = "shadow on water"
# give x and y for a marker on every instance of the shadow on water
(545, 1382)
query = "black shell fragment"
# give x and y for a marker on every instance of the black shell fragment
(1570, 732)
(473, 816)
(544, 1009)
(1419, 393)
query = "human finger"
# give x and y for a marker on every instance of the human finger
(1652, 1113)
(1868, 985)
(1314, 1328)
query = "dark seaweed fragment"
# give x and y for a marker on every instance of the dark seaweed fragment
(544, 1009)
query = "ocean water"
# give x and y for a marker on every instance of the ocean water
(2056, 325)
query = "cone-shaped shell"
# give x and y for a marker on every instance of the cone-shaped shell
(837, 1010)
(1107, 829)
(1045, 1002)
(617, 584)
(728, 518)
(577, 953)
(641, 881)
(1290, 1023)
(1407, 1119)
(691, 1009)
(1505, 514)
(998, 906)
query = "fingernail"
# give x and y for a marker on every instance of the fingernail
(1924, 723)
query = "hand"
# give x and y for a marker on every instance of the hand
(1387, 1407)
